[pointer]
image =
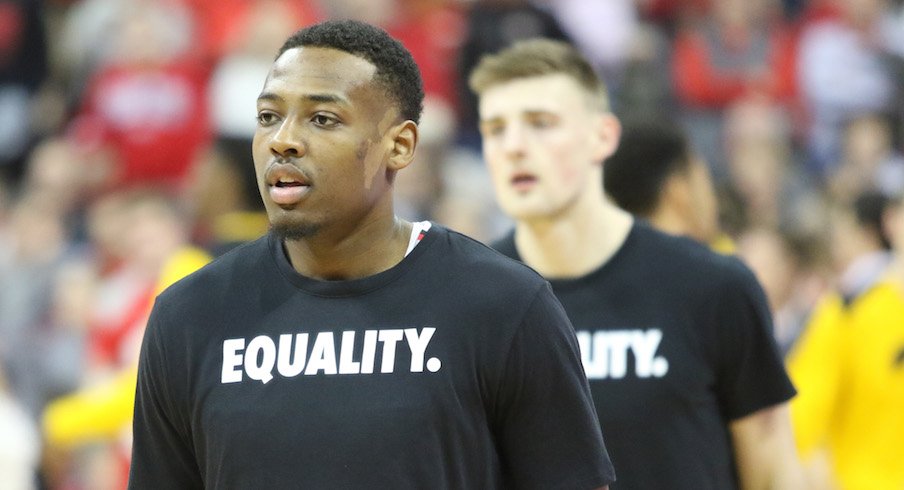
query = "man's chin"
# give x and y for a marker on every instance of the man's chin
(294, 231)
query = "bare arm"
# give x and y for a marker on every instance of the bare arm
(765, 453)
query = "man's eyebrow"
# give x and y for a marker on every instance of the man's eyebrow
(325, 98)
(269, 96)
(329, 98)
(526, 112)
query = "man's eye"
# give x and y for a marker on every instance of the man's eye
(492, 129)
(266, 118)
(542, 122)
(324, 120)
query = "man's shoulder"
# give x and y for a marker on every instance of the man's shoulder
(686, 252)
(685, 256)
(506, 245)
(210, 281)
(478, 260)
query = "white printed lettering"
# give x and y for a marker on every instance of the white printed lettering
(287, 363)
(346, 364)
(618, 353)
(370, 350)
(605, 353)
(260, 348)
(418, 346)
(290, 355)
(644, 345)
(389, 339)
(323, 355)
(231, 360)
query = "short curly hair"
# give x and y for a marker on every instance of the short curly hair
(396, 70)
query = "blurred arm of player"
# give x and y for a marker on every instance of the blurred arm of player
(765, 452)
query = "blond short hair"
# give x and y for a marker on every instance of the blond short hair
(535, 58)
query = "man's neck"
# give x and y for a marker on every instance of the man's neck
(368, 249)
(667, 220)
(575, 243)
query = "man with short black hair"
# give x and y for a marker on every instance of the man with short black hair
(349, 348)
(656, 175)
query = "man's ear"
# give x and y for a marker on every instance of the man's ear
(606, 136)
(404, 142)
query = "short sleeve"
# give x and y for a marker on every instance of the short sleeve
(545, 420)
(751, 372)
(162, 455)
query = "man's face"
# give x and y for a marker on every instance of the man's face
(322, 141)
(704, 222)
(543, 144)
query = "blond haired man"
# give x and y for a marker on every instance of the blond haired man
(675, 339)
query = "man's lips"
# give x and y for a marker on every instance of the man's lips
(286, 184)
(523, 181)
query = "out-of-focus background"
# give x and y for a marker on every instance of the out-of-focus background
(125, 162)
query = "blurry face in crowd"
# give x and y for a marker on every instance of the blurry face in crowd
(544, 144)
(767, 255)
(704, 218)
(327, 142)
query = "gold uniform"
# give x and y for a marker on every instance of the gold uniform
(848, 368)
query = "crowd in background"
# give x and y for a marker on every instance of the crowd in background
(125, 161)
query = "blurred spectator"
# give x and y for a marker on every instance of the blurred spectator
(23, 68)
(151, 233)
(848, 368)
(223, 198)
(84, 39)
(742, 50)
(37, 246)
(655, 174)
(147, 104)
(58, 174)
(847, 67)
(868, 160)
(861, 247)
(791, 276)
(762, 170)
(90, 427)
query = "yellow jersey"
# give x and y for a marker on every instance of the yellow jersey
(848, 368)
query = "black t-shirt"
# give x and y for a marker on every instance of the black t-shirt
(676, 341)
(457, 368)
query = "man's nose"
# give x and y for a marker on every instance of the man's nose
(288, 140)
(514, 140)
